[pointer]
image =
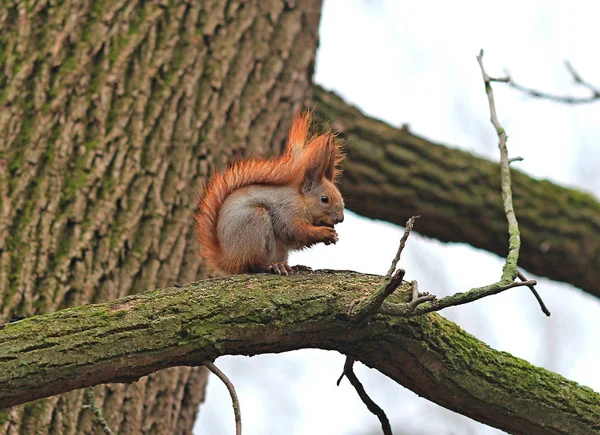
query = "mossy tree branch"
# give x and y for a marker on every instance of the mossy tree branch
(391, 174)
(120, 341)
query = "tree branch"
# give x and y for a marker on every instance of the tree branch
(90, 399)
(369, 403)
(448, 187)
(565, 99)
(122, 340)
(510, 270)
(234, 398)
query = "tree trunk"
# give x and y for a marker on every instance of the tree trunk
(113, 114)
(391, 174)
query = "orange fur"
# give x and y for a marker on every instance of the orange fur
(299, 133)
(307, 148)
(289, 169)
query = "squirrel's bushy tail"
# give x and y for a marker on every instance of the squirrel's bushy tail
(278, 171)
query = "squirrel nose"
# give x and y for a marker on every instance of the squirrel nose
(339, 219)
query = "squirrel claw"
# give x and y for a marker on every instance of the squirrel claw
(330, 236)
(279, 269)
(301, 268)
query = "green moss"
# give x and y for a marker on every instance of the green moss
(68, 65)
(134, 28)
(41, 38)
(35, 408)
(100, 313)
(16, 236)
(113, 112)
(64, 246)
(4, 413)
(94, 82)
(16, 155)
(117, 48)
(176, 64)
(91, 145)
(76, 178)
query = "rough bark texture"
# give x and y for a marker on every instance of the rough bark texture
(112, 114)
(133, 336)
(391, 174)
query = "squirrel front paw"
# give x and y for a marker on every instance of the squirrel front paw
(328, 235)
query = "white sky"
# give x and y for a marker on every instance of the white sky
(414, 62)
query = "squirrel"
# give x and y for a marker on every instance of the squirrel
(259, 209)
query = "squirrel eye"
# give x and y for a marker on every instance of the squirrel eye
(325, 199)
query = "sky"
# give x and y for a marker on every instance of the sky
(415, 63)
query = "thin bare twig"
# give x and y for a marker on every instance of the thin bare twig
(361, 309)
(407, 229)
(405, 310)
(510, 271)
(234, 399)
(565, 99)
(419, 298)
(90, 403)
(366, 307)
(372, 406)
(535, 293)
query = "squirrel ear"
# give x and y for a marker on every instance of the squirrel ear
(332, 158)
(317, 156)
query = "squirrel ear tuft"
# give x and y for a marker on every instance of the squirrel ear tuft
(316, 159)
(299, 133)
(332, 158)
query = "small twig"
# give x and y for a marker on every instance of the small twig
(594, 96)
(234, 399)
(535, 293)
(422, 304)
(361, 309)
(372, 406)
(90, 403)
(510, 270)
(510, 267)
(405, 310)
(419, 298)
(515, 159)
(366, 307)
(415, 290)
(407, 229)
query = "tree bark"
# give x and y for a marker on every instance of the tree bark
(113, 113)
(252, 314)
(391, 174)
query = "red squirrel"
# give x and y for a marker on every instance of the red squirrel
(253, 214)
